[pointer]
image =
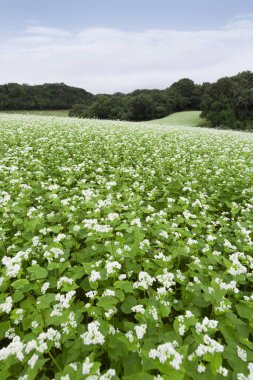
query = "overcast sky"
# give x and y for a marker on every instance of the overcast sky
(122, 45)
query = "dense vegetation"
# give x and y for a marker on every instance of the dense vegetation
(54, 96)
(126, 251)
(228, 103)
(142, 105)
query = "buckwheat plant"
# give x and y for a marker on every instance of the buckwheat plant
(126, 251)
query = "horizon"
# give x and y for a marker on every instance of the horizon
(111, 47)
(104, 93)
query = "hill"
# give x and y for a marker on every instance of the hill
(52, 96)
(186, 118)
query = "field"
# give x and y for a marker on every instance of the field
(126, 251)
(186, 118)
(61, 113)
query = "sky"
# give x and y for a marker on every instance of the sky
(106, 46)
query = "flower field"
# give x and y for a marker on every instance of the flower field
(126, 251)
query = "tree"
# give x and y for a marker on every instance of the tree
(141, 107)
(229, 102)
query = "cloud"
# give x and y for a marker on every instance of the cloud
(110, 60)
(49, 32)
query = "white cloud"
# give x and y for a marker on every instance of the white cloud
(110, 60)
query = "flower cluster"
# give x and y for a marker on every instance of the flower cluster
(126, 251)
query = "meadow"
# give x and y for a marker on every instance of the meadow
(126, 251)
(185, 118)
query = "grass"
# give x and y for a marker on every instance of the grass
(186, 118)
(63, 113)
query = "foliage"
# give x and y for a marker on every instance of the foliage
(126, 251)
(142, 105)
(229, 102)
(52, 96)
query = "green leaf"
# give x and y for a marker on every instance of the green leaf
(37, 272)
(43, 302)
(107, 302)
(244, 310)
(20, 284)
(126, 286)
(132, 364)
(129, 302)
(18, 296)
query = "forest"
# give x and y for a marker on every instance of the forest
(227, 103)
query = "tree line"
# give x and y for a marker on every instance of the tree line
(49, 96)
(142, 105)
(227, 103)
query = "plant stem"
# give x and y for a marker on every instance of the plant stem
(55, 362)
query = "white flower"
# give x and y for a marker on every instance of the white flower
(107, 375)
(30, 346)
(94, 276)
(166, 279)
(205, 325)
(91, 293)
(110, 312)
(210, 238)
(144, 244)
(153, 312)
(210, 345)
(7, 305)
(74, 366)
(138, 309)
(122, 277)
(93, 335)
(12, 264)
(44, 287)
(110, 266)
(87, 365)
(140, 330)
(222, 371)
(130, 336)
(112, 216)
(108, 292)
(165, 352)
(164, 234)
(63, 302)
(181, 329)
(10, 334)
(201, 368)
(136, 222)
(34, 324)
(36, 241)
(242, 354)
(59, 237)
(187, 215)
(66, 377)
(63, 280)
(228, 244)
(32, 361)
(145, 280)
(14, 348)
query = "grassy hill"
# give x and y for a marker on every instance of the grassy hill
(186, 118)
